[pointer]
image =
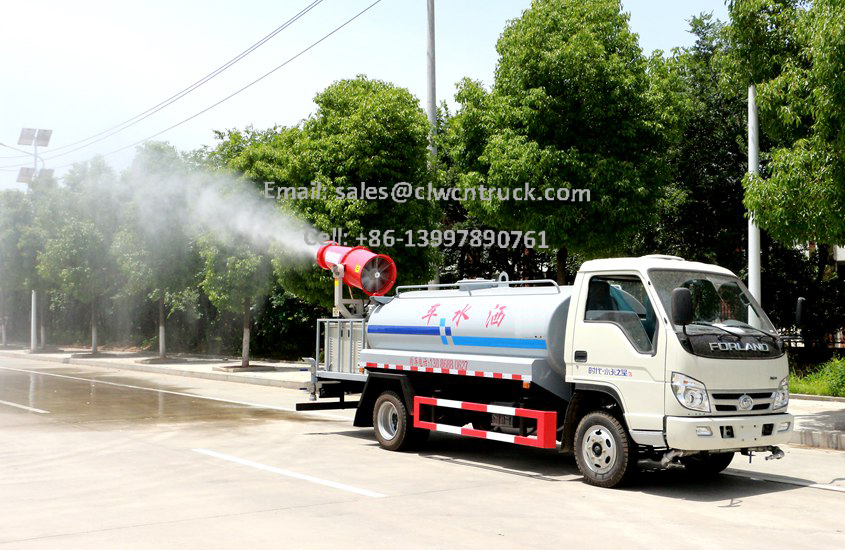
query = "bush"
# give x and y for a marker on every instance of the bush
(837, 386)
(827, 379)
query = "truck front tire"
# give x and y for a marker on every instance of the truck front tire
(393, 424)
(604, 452)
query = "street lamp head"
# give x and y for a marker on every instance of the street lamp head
(27, 136)
(42, 137)
(26, 174)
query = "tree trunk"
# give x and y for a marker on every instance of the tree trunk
(2, 319)
(162, 349)
(33, 325)
(42, 329)
(245, 346)
(94, 326)
(560, 258)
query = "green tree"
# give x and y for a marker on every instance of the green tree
(45, 204)
(153, 247)
(701, 216)
(364, 132)
(235, 277)
(795, 53)
(570, 108)
(77, 256)
(15, 215)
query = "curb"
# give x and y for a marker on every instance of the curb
(821, 440)
(816, 397)
(289, 384)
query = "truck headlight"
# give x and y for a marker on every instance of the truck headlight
(690, 392)
(781, 396)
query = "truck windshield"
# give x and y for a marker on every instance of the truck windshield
(719, 301)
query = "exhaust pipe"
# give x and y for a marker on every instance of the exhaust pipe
(670, 456)
(777, 453)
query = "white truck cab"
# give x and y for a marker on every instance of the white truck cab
(717, 383)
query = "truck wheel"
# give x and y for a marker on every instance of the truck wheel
(603, 450)
(707, 464)
(392, 424)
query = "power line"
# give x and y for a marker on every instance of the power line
(233, 94)
(175, 97)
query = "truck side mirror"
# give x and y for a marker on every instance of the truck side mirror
(801, 313)
(681, 306)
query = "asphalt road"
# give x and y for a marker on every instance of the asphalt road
(99, 458)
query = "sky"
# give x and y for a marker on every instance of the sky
(82, 67)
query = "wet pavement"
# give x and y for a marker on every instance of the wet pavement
(76, 396)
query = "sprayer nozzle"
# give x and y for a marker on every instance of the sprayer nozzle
(373, 273)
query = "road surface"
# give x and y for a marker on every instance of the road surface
(100, 458)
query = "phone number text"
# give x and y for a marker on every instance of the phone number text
(476, 238)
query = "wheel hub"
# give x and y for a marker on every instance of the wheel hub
(599, 449)
(388, 420)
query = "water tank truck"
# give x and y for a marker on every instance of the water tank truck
(651, 360)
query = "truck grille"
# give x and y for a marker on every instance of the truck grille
(728, 402)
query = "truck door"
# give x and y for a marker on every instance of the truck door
(618, 343)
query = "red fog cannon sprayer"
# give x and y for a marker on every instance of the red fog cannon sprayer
(357, 267)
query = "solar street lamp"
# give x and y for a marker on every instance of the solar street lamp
(37, 138)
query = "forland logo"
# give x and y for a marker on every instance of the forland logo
(738, 346)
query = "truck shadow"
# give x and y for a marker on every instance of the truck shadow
(728, 489)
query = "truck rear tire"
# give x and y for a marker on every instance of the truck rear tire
(707, 464)
(604, 452)
(393, 424)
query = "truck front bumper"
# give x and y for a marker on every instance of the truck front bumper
(727, 432)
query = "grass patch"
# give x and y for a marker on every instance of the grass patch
(826, 379)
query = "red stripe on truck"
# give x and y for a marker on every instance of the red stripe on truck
(473, 406)
(546, 422)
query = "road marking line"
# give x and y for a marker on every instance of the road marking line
(288, 473)
(31, 409)
(774, 478)
(181, 394)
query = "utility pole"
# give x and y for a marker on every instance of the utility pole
(431, 105)
(35, 137)
(432, 87)
(753, 168)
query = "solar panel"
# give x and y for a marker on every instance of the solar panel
(27, 136)
(42, 138)
(25, 174)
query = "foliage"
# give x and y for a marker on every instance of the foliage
(827, 379)
(762, 39)
(233, 275)
(364, 133)
(570, 108)
(795, 52)
(153, 246)
(15, 215)
(77, 254)
(285, 326)
(706, 159)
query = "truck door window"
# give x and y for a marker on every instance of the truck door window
(623, 301)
